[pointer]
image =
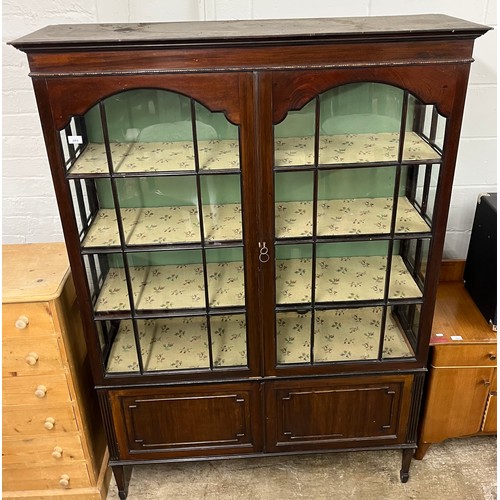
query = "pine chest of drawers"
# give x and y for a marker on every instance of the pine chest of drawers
(53, 441)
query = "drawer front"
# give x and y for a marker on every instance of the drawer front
(18, 478)
(42, 451)
(38, 314)
(187, 421)
(336, 413)
(38, 420)
(25, 355)
(464, 355)
(21, 390)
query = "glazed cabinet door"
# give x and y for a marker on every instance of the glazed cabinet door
(159, 177)
(353, 177)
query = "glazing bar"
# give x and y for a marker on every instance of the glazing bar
(84, 218)
(390, 248)
(425, 200)
(202, 230)
(93, 273)
(434, 123)
(121, 233)
(314, 226)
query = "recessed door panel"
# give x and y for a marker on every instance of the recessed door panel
(180, 421)
(328, 414)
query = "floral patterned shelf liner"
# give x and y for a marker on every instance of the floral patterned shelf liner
(157, 157)
(161, 225)
(347, 216)
(182, 286)
(339, 335)
(173, 287)
(352, 148)
(343, 279)
(182, 343)
(224, 154)
(180, 224)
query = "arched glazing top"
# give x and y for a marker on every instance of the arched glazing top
(360, 123)
(150, 130)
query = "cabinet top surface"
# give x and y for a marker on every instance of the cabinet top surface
(456, 315)
(267, 31)
(34, 272)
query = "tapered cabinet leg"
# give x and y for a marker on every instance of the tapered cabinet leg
(421, 450)
(405, 468)
(122, 477)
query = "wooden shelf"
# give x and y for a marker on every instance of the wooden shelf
(165, 225)
(347, 217)
(173, 287)
(133, 157)
(180, 224)
(352, 149)
(339, 335)
(180, 344)
(224, 154)
(342, 279)
(181, 286)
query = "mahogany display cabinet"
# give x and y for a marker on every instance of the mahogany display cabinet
(254, 213)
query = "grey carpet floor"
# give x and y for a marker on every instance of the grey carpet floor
(458, 469)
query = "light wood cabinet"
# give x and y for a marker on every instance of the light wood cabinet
(255, 214)
(53, 440)
(489, 423)
(461, 394)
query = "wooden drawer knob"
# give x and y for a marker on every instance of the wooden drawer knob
(492, 356)
(22, 322)
(64, 480)
(57, 453)
(32, 358)
(40, 392)
(49, 423)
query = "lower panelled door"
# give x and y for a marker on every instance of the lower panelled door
(187, 421)
(337, 412)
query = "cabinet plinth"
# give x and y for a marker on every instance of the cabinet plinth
(255, 215)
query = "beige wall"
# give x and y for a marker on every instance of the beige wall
(29, 208)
